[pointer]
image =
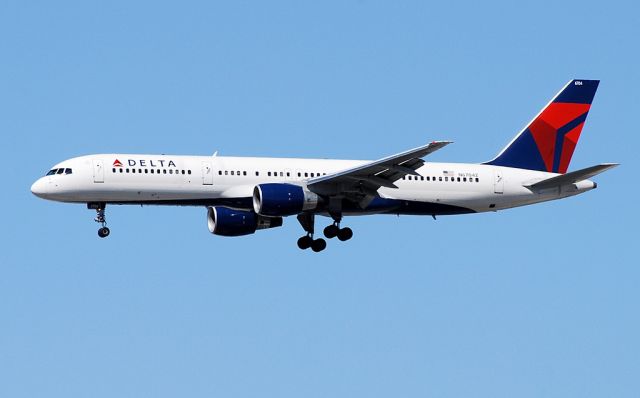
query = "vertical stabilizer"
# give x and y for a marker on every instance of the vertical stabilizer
(548, 141)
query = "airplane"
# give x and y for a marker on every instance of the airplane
(245, 194)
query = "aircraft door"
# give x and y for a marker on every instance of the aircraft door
(498, 181)
(207, 173)
(98, 171)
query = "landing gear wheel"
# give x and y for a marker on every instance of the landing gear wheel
(345, 234)
(331, 231)
(305, 242)
(318, 245)
(103, 232)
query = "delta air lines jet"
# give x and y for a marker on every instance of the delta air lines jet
(246, 194)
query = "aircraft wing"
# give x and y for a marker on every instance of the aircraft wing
(368, 178)
(572, 177)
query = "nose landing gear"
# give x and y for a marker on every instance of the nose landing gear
(103, 231)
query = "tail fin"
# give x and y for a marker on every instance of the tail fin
(547, 143)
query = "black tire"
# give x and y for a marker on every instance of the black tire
(331, 231)
(305, 242)
(103, 232)
(345, 234)
(319, 245)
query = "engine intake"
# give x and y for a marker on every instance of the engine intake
(279, 199)
(224, 221)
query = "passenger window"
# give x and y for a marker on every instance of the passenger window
(299, 174)
(152, 171)
(306, 174)
(311, 174)
(446, 178)
(428, 178)
(146, 171)
(232, 172)
(113, 170)
(238, 173)
(170, 171)
(281, 174)
(127, 170)
(244, 173)
(133, 170)
(439, 178)
(188, 171)
(182, 172)
(269, 173)
(219, 172)
(477, 179)
(257, 173)
(164, 171)
(121, 170)
(226, 172)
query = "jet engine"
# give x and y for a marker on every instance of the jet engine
(229, 222)
(279, 199)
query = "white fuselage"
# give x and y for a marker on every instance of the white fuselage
(229, 181)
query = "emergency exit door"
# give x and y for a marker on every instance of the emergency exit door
(98, 171)
(498, 181)
(207, 173)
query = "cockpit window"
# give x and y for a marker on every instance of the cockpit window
(59, 171)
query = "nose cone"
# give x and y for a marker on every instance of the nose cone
(40, 188)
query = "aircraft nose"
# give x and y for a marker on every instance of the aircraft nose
(40, 188)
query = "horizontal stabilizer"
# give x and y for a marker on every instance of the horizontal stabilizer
(572, 177)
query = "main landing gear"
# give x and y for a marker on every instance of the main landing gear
(330, 232)
(307, 241)
(333, 230)
(103, 231)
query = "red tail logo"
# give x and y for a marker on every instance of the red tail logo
(117, 163)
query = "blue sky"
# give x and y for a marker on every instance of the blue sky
(537, 301)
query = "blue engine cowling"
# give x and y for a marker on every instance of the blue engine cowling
(279, 199)
(229, 222)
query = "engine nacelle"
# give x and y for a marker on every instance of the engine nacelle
(278, 199)
(229, 222)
